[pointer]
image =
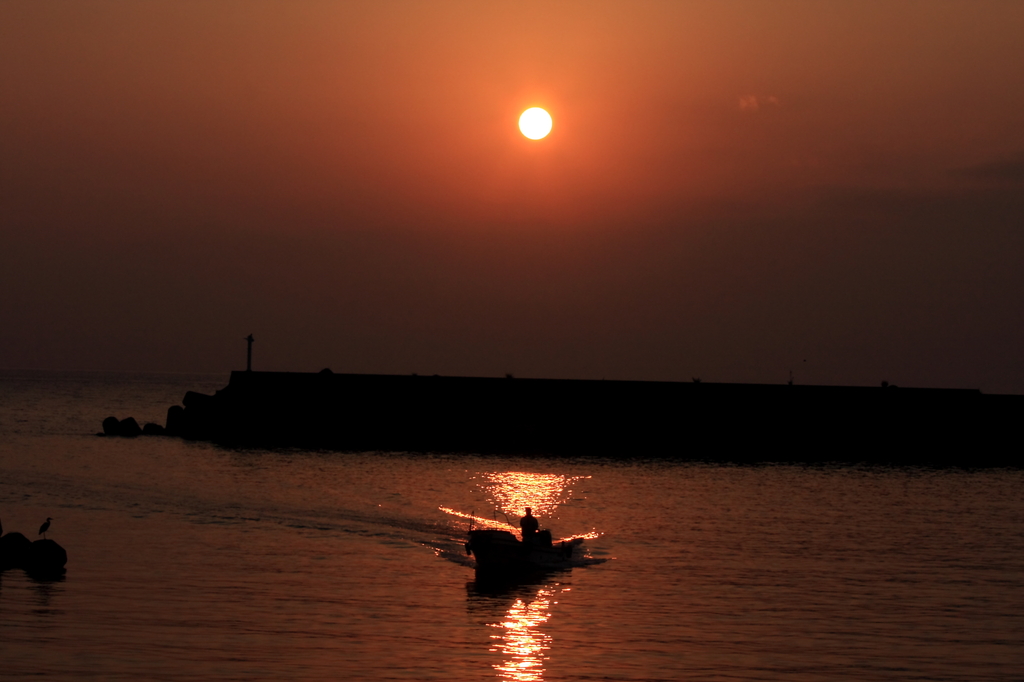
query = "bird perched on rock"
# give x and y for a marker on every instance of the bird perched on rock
(43, 528)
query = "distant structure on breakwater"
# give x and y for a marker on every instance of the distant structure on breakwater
(623, 419)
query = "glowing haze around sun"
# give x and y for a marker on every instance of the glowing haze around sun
(535, 123)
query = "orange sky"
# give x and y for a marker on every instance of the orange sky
(731, 189)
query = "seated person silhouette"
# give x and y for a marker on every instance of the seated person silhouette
(530, 525)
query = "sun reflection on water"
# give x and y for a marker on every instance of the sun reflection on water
(482, 522)
(522, 645)
(513, 491)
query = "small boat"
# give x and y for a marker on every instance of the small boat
(499, 551)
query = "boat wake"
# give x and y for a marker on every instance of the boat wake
(492, 524)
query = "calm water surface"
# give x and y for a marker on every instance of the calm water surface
(189, 562)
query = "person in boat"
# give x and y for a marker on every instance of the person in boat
(529, 525)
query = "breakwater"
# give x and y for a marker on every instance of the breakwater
(678, 420)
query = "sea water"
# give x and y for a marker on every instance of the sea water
(192, 562)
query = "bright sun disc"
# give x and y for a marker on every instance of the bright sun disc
(535, 123)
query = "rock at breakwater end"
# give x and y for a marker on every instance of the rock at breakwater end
(112, 426)
(129, 428)
(175, 420)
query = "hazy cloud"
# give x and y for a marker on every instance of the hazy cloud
(755, 103)
(1008, 169)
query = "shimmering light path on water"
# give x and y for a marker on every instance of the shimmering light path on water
(523, 646)
(188, 562)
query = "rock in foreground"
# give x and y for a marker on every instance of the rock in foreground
(45, 558)
(40, 558)
(14, 548)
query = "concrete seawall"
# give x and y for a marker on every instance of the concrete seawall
(701, 421)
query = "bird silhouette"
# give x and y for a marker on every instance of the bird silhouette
(43, 528)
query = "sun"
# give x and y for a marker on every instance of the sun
(535, 123)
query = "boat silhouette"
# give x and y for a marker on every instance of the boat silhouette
(501, 552)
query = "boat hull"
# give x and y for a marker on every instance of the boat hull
(499, 551)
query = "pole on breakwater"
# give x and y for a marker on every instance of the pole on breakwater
(248, 354)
